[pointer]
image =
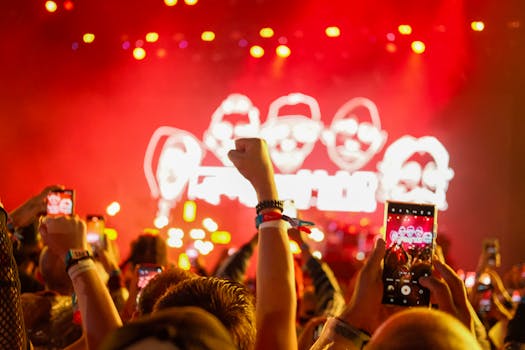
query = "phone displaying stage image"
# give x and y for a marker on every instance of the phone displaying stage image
(60, 202)
(145, 273)
(95, 230)
(410, 236)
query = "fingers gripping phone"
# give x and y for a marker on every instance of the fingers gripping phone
(95, 230)
(410, 237)
(60, 202)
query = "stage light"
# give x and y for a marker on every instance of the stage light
(174, 242)
(404, 29)
(256, 51)
(316, 235)
(197, 233)
(68, 5)
(126, 45)
(184, 261)
(210, 225)
(418, 47)
(360, 256)
(283, 51)
(161, 221)
(191, 2)
(477, 26)
(221, 237)
(391, 47)
(364, 222)
(183, 44)
(189, 212)
(111, 233)
(152, 37)
(317, 254)
(170, 2)
(294, 248)
(88, 38)
(266, 32)
(139, 43)
(176, 233)
(208, 36)
(332, 32)
(113, 208)
(51, 6)
(139, 53)
(390, 37)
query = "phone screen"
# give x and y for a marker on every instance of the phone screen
(491, 248)
(95, 229)
(146, 273)
(60, 202)
(410, 236)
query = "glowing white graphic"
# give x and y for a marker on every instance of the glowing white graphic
(291, 138)
(178, 162)
(220, 136)
(407, 180)
(58, 205)
(411, 235)
(351, 142)
(355, 134)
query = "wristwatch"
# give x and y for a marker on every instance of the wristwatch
(74, 256)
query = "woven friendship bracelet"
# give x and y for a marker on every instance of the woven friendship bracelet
(80, 267)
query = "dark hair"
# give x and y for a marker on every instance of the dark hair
(231, 302)
(147, 249)
(158, 285)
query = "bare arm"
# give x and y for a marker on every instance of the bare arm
(99, 315)
(276, 299)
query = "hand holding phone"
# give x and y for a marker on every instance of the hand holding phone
(60, 202)
(95, 225)
(410, 236)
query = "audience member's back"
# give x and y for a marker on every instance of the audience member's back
(420, 328)
(231, 302)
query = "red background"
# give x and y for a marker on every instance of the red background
(84, 117)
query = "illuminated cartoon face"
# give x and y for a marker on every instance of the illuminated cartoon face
(405, 179)
(53, 204)
(355, 134)
(66, 206)
(225, 128)
(291, 138)
(427, 237)
(179, 160)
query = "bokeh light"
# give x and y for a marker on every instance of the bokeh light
(113, 208)
(210, 224)
(191, 2)
(477, 26)
(208, 36)
(404, 29)
(88, 38)
(111, 233)
(221, 237)
(197, 233)
(51, 6)
(170, 2)
(152, 37)
(332, 32)
(266, 32)
(68, 5)
(418, 47)
(283, 51)
(160, 221)
(189, 212)
(256, 51)
(184, 261)
(391, 47)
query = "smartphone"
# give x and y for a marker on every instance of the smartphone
(410, 236)
(95, 230)
(145, 273)
(60, 202)
(485, 302)
(491, 251)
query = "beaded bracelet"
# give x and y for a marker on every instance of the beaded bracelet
(269, 204)
(294, 222)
